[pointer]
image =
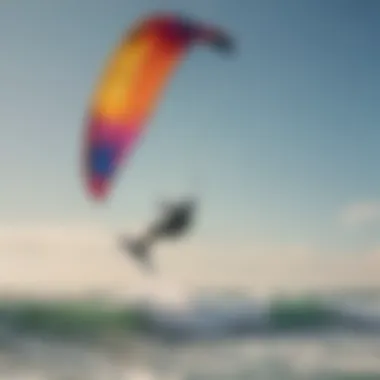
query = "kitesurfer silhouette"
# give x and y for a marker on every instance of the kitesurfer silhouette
(177, 218)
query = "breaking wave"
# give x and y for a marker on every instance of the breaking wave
(201, 318)
(229, 317)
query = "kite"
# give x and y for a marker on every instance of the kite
(130, 88)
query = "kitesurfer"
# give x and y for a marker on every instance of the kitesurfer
(177, 218)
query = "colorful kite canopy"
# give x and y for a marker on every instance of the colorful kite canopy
(131, 87)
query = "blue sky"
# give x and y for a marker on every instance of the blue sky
(282, 137)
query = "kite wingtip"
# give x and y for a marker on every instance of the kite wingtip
(98, 189)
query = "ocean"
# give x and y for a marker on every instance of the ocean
(213, 336)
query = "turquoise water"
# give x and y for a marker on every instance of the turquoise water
(288, 339)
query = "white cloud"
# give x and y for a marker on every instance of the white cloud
(48, 258)
(266, 269)
(361, 213)
(74, 259)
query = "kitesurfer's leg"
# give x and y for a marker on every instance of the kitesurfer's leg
(140, 247)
